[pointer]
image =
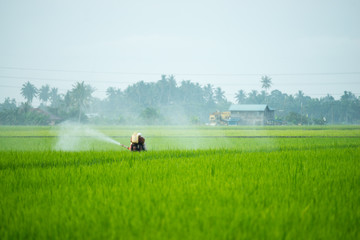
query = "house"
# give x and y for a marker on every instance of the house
(53, 119)
(251, 114)
(219, 118)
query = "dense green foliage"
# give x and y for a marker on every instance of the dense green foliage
(171, 103)
(22, 115)
(219, 188)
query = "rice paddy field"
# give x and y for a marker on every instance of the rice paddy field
(281, 182)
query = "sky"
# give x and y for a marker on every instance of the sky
(308, 45)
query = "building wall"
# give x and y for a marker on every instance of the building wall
(249, 118)
(258, 115)
(269, 117)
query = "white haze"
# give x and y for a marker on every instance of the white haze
(75, 137)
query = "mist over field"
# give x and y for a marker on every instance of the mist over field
(166, 102)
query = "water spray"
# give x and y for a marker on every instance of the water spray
(71, 134)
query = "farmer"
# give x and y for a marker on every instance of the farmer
(137, 143)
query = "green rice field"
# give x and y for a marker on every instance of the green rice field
(281, 182)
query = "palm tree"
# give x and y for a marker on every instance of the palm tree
(81, 96)
(54, 97)
(172, 88)
(185, 90)
(252, 97)
(219, 95)
(110, 92)
(240, 96)
(262, 97)
(208, 93)
(163, 89)
(299, 95)
(44, 93)
(8, 104)
(266, 82)
(29, 91)
(327, 98)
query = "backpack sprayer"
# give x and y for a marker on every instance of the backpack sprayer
(137, 143)
(124, 146)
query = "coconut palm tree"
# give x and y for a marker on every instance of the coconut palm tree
(253, 97)
(44, 93)
(171, 88)
(163, 89)
(300, 95)
(81, 96)
(208, 93)
(266, 82)
(240, 96)
(54, 97)
(29, 91)
(219, 95)
(110, 92)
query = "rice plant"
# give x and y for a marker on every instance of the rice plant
(216, 188)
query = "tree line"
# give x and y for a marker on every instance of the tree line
(167, 102)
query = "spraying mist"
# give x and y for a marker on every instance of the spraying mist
(75, 137)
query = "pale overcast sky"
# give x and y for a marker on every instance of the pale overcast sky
(307, 45)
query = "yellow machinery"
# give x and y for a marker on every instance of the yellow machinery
(219, 118)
